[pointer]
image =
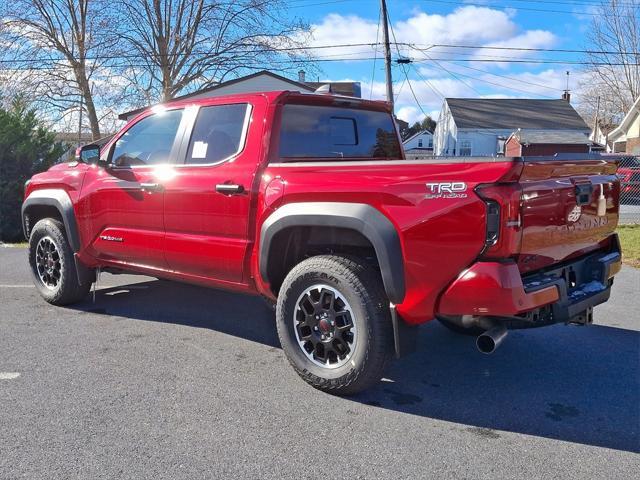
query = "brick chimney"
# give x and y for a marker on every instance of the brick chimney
(301, 76)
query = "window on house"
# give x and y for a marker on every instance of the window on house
(218, 133)
(420, 143)
(431, 142)
(465, 148)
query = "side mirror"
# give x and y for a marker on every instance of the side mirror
(88, 153)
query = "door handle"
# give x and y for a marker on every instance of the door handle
(150, 187)
(229, 189)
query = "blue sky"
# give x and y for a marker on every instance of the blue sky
(433, 75)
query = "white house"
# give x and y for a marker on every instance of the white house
(625, 138)
(419, 140)
(419, 145)
(263, 81)
(480, 126)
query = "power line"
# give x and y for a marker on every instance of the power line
(529, 49)
(506, 77)
(418, 47)
(414, 93)
(534, 61)
(453, 75)
(433, 88)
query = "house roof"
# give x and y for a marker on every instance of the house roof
(513, 113)
(554, 137)
(339, 88)
(417, 134)
(302, 86)
(619, 130)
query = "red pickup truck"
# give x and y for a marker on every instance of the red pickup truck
(307, 200)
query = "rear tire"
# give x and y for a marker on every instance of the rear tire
(454, 327)
(334, 323)
(52, 264)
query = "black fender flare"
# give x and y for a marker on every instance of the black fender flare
(59, 199)
(360, 217)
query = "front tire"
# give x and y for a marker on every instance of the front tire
(334, 323)
(52, 264)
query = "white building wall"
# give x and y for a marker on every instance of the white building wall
(483, 142)
(448, 137)
(444, 137)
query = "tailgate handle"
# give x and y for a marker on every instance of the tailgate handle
(584, 192)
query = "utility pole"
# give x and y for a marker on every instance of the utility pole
(387, 50)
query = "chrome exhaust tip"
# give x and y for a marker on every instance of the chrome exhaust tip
(491, 339)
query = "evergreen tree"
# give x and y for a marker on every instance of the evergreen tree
(26, 147)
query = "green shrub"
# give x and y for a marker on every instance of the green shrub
(26, 147)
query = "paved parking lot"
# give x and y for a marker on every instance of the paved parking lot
(162, 380)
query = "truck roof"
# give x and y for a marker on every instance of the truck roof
(280, 97)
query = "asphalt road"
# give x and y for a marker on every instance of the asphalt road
(164, 381)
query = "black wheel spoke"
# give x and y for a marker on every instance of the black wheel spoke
(324, 326)
(327, 299)
(48, 262)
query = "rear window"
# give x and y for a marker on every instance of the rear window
(330, 132)
(218, 133)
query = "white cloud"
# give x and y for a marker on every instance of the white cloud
(410, 114)
(466, 25)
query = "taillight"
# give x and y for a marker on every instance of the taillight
(504, 229)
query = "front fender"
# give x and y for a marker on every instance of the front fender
(60, 200)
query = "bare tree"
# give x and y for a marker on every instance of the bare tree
(182, 45)
(59, 50)
(613, 59)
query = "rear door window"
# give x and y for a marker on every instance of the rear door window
(218, 134)
(308, 132)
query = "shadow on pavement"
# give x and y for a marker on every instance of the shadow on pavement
(577, 384)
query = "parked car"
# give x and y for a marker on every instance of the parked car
(307, 200)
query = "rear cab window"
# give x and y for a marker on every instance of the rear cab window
(335, 133)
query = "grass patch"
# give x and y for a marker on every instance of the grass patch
(630, 240)
(14, 245)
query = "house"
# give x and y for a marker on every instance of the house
(419, 145)
(522, 143)
(625, 138)
(481, 126)
(264, 81)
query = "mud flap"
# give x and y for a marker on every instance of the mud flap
(405, 337)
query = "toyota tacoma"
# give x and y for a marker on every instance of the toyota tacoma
(307, 200)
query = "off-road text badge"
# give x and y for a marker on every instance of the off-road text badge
(574, 214)
(446, 190)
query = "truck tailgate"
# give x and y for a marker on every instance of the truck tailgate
(569, 208)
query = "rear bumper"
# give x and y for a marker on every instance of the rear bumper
(566, 290)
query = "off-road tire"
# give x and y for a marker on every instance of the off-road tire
(454, 327)
(68, 289)
(361, 285)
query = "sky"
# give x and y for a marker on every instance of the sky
(448, 71)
